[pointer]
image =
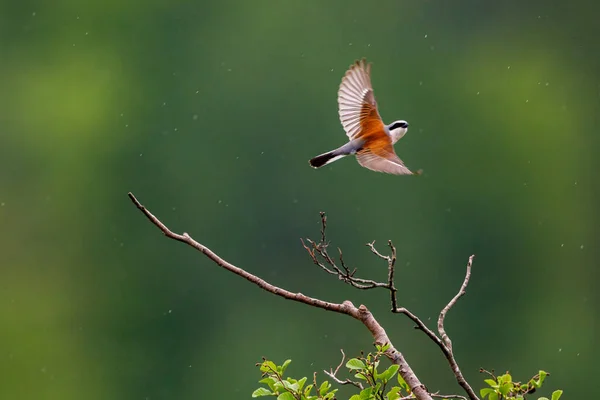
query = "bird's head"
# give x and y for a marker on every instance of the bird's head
(397, 129)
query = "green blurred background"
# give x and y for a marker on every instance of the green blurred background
(208, 111)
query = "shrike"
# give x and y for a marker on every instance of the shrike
(370, 139)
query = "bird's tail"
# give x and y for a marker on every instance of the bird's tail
(324, 159)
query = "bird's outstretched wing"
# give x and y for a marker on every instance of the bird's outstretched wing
(380, 156)
(357, 105)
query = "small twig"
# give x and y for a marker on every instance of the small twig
(329, 265)
(378, 254)
(348, 273)
(391, 269)
(490, 373)
(313, 256)
(323, 225)
(421, 325)
(341, 362)
(447, 396)
(446, 339)
(451, 303)
(332, 375)
(391, 261)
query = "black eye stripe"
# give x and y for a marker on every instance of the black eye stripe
(396, 125)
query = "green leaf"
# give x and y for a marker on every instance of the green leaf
(491, 382)
(403, 383)
(542, 377)
(268, 366)
(301, 383)
(556, 394)
(325, 386)
(286, 396)
(284, 366)
(291, 384)
(277, 386)
(366, 394)
(307, 390)
(485, 391)
(543, 398)
(262, 392)
(377, 387)
(382, 348)
(355, 397)
(505, 388)
(394, 393)
(493, 396)
(506, 378)
(360, 375)
(388, 373)
(537, 383)
(355, 363)
(269, 381)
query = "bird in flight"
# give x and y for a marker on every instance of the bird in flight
(370, 139)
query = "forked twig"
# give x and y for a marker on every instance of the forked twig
(451, 303)
(333, 374)
(329, 265)
(391, 261)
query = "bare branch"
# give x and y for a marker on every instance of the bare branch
(446, 350)
(332, 374)
(360, 313)
(378, 254)
(311, 252)
(323, 225)
(446, 339)
(391, 261)
(344, 273)
(447, 396)
(421, 325)
(451, 303)
(391, 269)
(490, 373)
(341, 362)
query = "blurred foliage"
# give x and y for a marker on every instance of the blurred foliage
(208, 111)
